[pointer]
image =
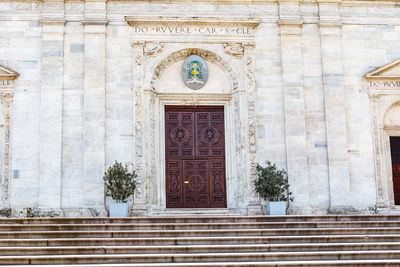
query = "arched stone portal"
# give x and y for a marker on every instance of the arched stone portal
(157, 83)
(384, 92)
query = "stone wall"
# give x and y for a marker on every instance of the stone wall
(74, 103)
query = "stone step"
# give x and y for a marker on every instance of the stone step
(227, 240)
(202, 257)
(199, 226)
(332, 263)
(179, 249)
(199, 233)
(202, 219)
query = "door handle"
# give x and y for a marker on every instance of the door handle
(186, 182)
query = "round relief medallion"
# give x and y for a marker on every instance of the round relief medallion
(194, 72)
(209, 135)
(196, 183)
(179, 135)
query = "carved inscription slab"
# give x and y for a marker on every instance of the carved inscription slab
(192, 30)
(384, 84)
(6, 84)
(192, 26)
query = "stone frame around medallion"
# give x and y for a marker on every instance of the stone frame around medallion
(149, 131)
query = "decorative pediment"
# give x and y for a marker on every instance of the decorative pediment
(7, 74)
(384, 80)
(390, 71)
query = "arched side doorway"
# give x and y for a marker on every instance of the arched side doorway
(384, 93)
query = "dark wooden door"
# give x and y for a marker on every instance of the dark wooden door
(395, 153)
(195, 157)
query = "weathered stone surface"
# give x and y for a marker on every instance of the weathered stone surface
(94, 77)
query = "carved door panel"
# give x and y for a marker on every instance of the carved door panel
(195, 157)
(395, 153)
(174, 184)
(179, 134)
(210, 143)
(195, 184)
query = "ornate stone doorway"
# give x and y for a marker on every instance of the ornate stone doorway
(195, 157)
(384, 92)
(158, 57)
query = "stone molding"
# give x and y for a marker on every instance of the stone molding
(133, 21)
(383, 90)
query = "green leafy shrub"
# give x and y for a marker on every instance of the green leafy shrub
(272, 184)
(120, 184)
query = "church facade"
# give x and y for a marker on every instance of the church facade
(193, 94)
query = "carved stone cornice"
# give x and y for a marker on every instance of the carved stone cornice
(249, 22)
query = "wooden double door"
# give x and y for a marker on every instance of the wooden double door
(195, 157)
(395, 153)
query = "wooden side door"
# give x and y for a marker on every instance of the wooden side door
(196, 184)
(395, 153)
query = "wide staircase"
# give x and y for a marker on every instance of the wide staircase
(335, 240)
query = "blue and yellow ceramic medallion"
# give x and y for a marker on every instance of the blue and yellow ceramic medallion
(194, 72)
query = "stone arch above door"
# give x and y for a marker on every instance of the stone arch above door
(211, 58)
(384, 93)
(392, 116)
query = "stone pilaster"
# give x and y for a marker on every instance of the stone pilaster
(335, 107)
(252, 200)
(293, 92)
(138, 100)
(51, 104)
(6, 101)
(94, 103)
(73, 128)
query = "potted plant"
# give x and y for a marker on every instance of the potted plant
(273, 186)
(120, 184)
